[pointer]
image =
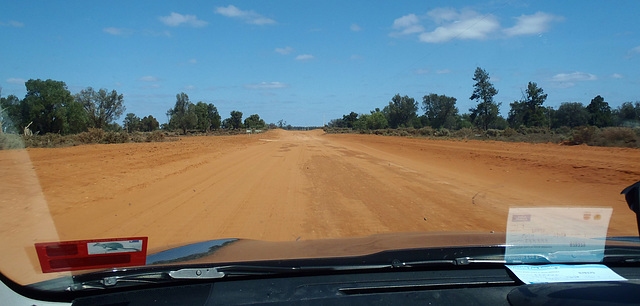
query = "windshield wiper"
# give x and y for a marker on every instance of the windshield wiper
(117, 278)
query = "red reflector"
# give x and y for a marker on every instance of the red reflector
(92, 254)
(89, 261)
(62, 250)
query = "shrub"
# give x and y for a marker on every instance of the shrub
(616, 137)
(426, 131)
(493, 133)
(442, 132)
(583, 134)
(11, 141)
(464, 133)
(509, 132)
(155, 136)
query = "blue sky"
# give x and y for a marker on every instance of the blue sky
(309, 61)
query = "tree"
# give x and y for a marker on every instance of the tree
(102, 107)
(149, 124)
(350, 119)
(131, 122)
(529, 111)
(571, 114)
(627, 114)
(235, 121)
(254, 122)
(486, 112)
(517, 113)
(208, 116)
(182, 115)
(51, 108)
(9, 114)
(440, 111)
(600, 112)
(401, 111)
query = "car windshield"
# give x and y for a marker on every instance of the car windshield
(303, 129)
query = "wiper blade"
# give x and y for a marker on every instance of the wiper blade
(117, 278)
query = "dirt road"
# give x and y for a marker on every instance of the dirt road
(285, 186)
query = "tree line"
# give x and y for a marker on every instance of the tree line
(440, 111)
(49, 107)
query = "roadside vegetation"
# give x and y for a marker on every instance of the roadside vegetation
(50, 116)
(572, 123)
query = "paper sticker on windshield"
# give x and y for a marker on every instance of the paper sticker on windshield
(91, 254)
(556, 234)
(118, 246)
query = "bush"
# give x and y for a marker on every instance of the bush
(583, 134)
(155, 136)
(509, 132)
(464, 133)
(426, 131)
(616, 137)
(442, 132)
(493, 133)
(11, 141)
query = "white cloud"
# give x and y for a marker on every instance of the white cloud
(193, 61)
(406, 25)
(284, 51)
(117, 31)
(443, 71)
(176, 19)
(617, 76)
(356, 28)
(304, 57)
(12, 23)
(633, 52)
(189, 87)
(449, 24)
(566, 80)
(421, 71)
(356, 57)
(250, 17)
(443, 14)
(152, 86)
(467, 25)
(532, 24)
(266, 85)
(149, 78)
(19, 81)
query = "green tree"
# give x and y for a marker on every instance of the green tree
(571, 114)
(183, 115)
(9, 114)
(149, 124)
(440, 111)
(401, 111)
(376, 120)
(627, 114)
(486, 112)
(208, 116)
(254, 122)
(529, 111)
(600, 112)
(131, 122)
(350, 119)
(51, 108)
(102, 107)
(517, 114)
(235, 121)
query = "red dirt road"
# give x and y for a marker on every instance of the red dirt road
(284, 186)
